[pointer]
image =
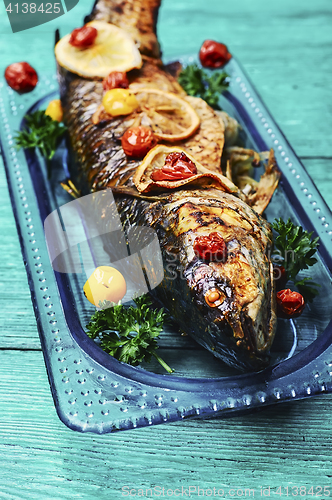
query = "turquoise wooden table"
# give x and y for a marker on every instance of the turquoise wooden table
(285, 47)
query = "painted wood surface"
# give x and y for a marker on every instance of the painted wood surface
(285, 47)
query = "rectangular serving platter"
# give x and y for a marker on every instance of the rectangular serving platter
(94, 392)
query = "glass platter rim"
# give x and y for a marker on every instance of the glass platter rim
(281, 370)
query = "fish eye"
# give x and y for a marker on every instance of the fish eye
(213, 297)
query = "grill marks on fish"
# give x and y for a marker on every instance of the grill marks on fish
(241, 328)
(206, 146)
(152, 75)
(243, 280)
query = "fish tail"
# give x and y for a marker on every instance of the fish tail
(136, 17)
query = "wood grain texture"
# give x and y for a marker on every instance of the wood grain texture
(17, 319)
(285, 47)
(39, 455)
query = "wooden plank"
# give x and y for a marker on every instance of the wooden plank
(39, 455)
(17, 319)
(271, 40)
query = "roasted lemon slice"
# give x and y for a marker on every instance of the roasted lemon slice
(112, 50)
(145, 180)
(170, 117)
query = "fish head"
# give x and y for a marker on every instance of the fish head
(235, 295)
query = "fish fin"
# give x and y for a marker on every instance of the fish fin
(56, 36)
(267, 185)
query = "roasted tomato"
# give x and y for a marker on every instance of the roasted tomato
(214, 54)
(137, 141)
(177, 166)
(83, 37)
(211, 247)
(116, 80)
(280, 276)
(21, 77)
(289, 304)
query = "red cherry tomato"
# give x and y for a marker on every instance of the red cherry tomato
(137, 141)
(289, 304)
(116, 80)
(211, 248)
(83, 37)
(280, 276)
(214, 54)
(177, 166)
(21, 77)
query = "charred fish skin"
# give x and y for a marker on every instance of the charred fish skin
(137, 17)
(241, 326)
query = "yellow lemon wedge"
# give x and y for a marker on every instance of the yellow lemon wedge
(54, 110)
(112, 50)
(105, 283)
(170, 117)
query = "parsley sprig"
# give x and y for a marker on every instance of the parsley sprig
(297, 249)
(41, 132)
(129, 334)
(196, 82)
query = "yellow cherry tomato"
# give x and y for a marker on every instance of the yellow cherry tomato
(119, 102)
(105, 283)
(54, 110)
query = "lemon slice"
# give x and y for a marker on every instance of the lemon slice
(156, 158)
(113, 50)
(170, 117)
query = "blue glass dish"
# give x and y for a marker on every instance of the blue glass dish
(94, 392)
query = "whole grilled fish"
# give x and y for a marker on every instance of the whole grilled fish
(227, 306)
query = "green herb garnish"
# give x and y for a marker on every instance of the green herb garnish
(129, 334)
(297, 249)
(196, 82)
(41, 132)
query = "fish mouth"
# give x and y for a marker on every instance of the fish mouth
(250, 328)
(258, 321)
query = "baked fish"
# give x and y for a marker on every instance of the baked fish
(225, 301)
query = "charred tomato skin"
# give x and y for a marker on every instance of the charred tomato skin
(289, 304)
(211, 248)
(116, 80)
(83, 37)
(21, 77)
(177, 166)
(214, 54)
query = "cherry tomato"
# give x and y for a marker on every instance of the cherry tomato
(83, 37)
(21, 77)
(280, 276)
(137, 141)
(214, 54)
(211, 248)
(116, 80)
(289, 304)
(177, 166)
